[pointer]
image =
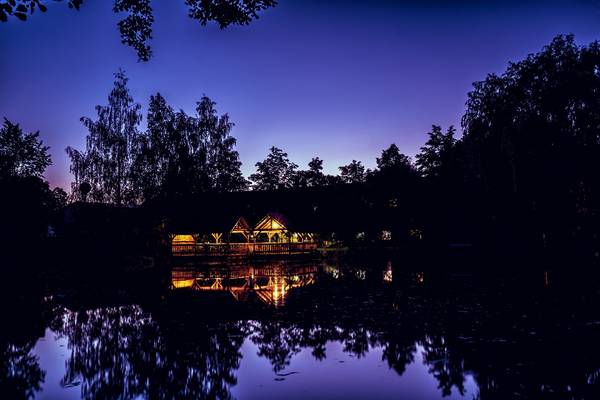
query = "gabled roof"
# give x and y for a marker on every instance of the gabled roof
(271, 221)
(240, 226)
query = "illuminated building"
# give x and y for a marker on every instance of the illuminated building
(270, 235)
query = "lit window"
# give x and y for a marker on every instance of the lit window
(416, 233)
(361, 274)
(183, 239)
(386, 235)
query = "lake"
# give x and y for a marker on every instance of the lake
(321, 329)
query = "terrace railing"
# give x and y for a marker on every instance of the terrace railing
(200, 249)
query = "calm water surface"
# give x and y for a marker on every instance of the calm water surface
(306, 330)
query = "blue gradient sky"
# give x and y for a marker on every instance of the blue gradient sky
(336, 79)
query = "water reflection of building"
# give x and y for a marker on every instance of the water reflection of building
(388, 272)
(270, 284)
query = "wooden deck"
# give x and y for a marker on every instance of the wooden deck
(242, 249)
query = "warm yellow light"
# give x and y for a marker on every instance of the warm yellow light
(183, 239)
(182, 283)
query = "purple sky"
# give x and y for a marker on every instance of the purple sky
(336, 79)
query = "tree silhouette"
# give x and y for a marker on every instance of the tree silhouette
(275, 172)
(179, 154)
(353, 172)
(394, 169)
(122, 352)
(21, 375)
(136, 27)
(532, 144)
(27, 204)
(157, 149)
(109, 154)
(223, 162)
(312, 177)
(435, 155)
(21, 154)
(391, 158)
(84, 190)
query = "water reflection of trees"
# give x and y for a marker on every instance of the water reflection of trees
(121, 352)
(20, 373)
(513, 341)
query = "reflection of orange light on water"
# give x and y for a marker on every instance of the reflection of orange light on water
(270, 285)
(278, 291)
(387, 274)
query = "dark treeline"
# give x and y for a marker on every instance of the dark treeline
(523, 174)
(181, 155)
(177, 155)
(28, 205)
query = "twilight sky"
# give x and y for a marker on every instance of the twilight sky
(336, 79)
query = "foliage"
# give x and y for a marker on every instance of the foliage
(275, 172)
(21, 154)
(223, 162)
(313, 176)
(436, 154)
(27, 205)
(176, 155)
(20, 371)
(393, 167)
(26, 209)
(60, 197)
(391, 158)
(106, 162)
(353, 172)
(136, 27)
(225, 13)
(153, 361)
(179, 154)
(533, 131)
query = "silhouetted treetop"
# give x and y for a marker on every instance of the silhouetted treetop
(136, 27)
(435, 155)
(110, 148)
(313, 176)
(27, 204)
(353, 172)
(21, 154)
(275, 172)
(392, 158)
(181, 154)
(535, 127)
(176, 155)
(227, 12)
